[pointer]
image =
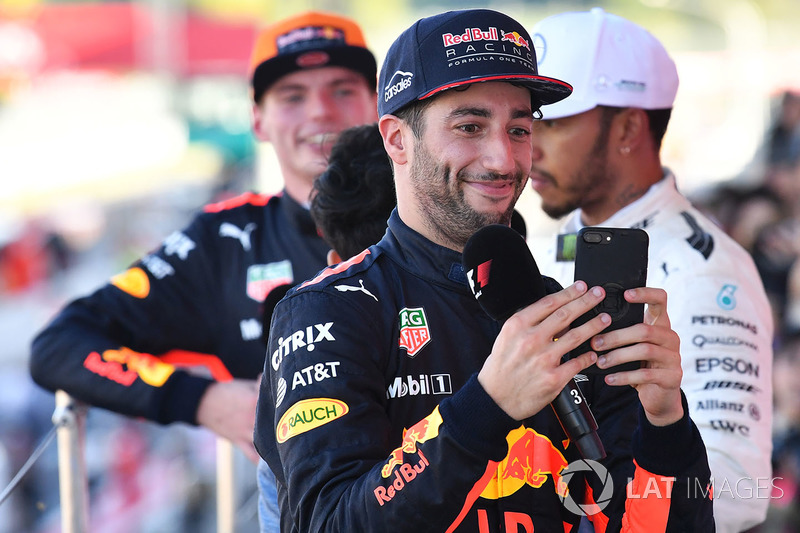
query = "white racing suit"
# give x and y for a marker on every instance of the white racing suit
(717, 304)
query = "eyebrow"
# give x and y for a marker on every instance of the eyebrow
(483, 112)
(344, 80)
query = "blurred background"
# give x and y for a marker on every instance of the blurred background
(118, 120)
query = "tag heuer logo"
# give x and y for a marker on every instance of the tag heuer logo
(261, 279)
(414, 332)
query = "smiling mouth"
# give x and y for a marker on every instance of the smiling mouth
(493, 188)
(322, 138)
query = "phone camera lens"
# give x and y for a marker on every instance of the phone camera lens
(592, 237)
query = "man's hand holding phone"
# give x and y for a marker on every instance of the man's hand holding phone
(656, 347)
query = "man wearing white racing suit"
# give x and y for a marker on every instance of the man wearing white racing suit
(596, 159)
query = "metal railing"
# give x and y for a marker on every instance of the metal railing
(69, 426)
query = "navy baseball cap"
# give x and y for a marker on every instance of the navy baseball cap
(457, 48)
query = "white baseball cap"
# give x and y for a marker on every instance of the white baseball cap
(607, 59)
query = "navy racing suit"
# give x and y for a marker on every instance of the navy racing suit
(372, 418)
(195, 301)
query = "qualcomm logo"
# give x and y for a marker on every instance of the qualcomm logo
(393, 88)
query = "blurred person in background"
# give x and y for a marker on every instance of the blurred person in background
(784, 513)
(177, 337)
(352, 200)
(596, 161)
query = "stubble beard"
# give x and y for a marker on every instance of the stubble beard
(586, 184)
(445, 211)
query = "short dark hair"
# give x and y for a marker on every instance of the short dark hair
(658, 120)
(352, 200)
(412, 114)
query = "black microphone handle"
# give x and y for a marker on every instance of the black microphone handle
(504, 278)
(578, 422)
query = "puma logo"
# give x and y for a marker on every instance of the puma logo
(226, 229)
(345, 288)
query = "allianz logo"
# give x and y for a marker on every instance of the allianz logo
(424, 384)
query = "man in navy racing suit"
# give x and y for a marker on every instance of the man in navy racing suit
(391, 402)
(197, 299)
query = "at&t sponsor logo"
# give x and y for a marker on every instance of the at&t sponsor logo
(303, 338)
(410, 386)
(307, 376)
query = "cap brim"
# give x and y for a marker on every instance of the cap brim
(355, 58)
(545, 90)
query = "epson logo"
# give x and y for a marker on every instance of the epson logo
(426, 384)
(727, 364)
(395, 88)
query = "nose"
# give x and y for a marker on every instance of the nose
(321, 105)
(500, 153)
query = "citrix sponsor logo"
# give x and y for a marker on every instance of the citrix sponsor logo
(394, 88)
(724, 321)
(179, 244)
(409, 386)
(301, 338)
(728, 364)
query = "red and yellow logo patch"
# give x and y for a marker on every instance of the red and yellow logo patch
(133, 281)
(309, 414)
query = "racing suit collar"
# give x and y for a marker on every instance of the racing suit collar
(298, 215)
(423, 257)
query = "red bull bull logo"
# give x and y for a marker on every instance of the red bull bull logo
(404, 472)
(516, 38)
(531, 459)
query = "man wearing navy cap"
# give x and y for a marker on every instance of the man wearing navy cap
(391, 402)
(197, 300)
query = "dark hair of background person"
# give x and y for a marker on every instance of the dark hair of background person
(352, 200)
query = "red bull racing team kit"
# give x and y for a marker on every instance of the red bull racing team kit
(195, 301)
(372, 418)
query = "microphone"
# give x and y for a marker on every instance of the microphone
(504, 278)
